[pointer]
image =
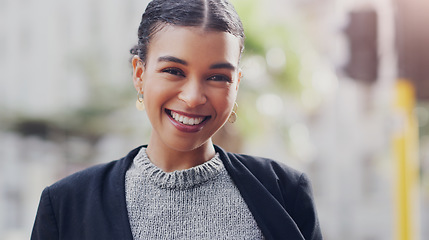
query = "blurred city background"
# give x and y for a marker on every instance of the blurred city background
(336, 88)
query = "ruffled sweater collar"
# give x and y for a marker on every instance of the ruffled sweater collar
(181, 179)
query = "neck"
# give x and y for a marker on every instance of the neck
(169, 159)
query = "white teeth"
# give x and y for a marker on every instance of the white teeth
(186, 120)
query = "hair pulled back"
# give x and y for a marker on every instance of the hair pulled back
(217, 15)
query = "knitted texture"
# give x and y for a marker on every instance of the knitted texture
(197, 203)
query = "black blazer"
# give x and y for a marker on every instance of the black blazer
(91, 204)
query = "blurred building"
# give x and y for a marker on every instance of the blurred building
(57, 58)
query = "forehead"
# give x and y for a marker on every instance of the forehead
(194, 44)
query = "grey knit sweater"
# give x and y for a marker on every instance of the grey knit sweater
(197, 203)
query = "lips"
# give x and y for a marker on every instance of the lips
(186, 122)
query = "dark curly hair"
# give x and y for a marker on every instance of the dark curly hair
(217, 15)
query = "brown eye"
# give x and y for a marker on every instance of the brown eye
(219, 78)
(174, 71)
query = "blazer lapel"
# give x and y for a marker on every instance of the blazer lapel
(115, 201)
(272, 218)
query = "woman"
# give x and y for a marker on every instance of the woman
(180, 185)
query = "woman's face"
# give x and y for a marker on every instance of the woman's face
(190, 82)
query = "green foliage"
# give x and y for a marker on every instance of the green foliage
(263, 33)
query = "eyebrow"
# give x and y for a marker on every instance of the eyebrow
(225, 65)
(172, 59)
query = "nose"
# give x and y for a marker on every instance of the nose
(193, 93)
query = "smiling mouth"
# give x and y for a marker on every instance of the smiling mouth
(186, 119)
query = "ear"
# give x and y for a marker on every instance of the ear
(240, 75)
(138, 69)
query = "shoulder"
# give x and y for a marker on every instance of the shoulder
(93, 177)
(86, 176)
(265, 169)
(281, 180)
(64, 206)
(274, 192)
(262, 164)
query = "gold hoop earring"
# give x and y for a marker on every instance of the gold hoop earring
(140, 101)
(233, 117)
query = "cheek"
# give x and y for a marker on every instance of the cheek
(223, 102)
(154, 94)
(155, 86)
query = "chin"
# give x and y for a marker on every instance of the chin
(184, 146)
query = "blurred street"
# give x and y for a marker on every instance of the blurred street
(338, 89)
